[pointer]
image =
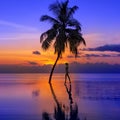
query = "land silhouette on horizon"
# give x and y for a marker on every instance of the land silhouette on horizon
(60, 68)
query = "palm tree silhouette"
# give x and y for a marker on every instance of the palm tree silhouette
(65, 31)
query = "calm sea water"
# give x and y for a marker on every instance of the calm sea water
(87, 97)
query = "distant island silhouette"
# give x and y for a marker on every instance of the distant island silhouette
(60, 68)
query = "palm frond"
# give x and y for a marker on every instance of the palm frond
(73, 48)
(74, 23)
(62, 16)
(75, 39)
(72, 11)
(43, 36)
(60, 43)
(49, 18)
(82, 40)
(45, 44)
(65, 5)
(55, 8)
(47, 38)
(48, 34)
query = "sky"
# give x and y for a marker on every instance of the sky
(20, 30)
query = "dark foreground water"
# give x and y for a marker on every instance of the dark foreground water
(87, 97)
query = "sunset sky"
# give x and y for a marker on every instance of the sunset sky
(20, 30)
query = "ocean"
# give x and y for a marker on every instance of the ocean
(87, 97)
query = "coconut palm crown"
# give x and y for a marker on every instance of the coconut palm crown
(65, 31)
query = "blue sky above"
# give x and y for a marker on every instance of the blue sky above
(94, 15)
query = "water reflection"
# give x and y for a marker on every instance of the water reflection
(59, 113)
(62, 111)
(25, 97)
(35, 93)
(73, 115)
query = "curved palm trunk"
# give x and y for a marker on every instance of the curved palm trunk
(50, 78)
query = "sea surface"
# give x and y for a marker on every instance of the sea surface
(86, 97)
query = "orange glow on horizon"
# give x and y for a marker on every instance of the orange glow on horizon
(48, 57)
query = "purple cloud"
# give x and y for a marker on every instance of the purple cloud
(36, 52)
(32, 63)
(112, 48)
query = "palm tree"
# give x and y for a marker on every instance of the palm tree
(65, 31)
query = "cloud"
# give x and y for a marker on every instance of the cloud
(15, 25)
(32, 63)
(112, 48)
(118, 55)
(89, 55)
(70, 56)
(105, 55)
(101, 55)
(92, 55)
(36, 52)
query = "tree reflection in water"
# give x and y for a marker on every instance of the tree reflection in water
(73, 108)
(61, 110)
